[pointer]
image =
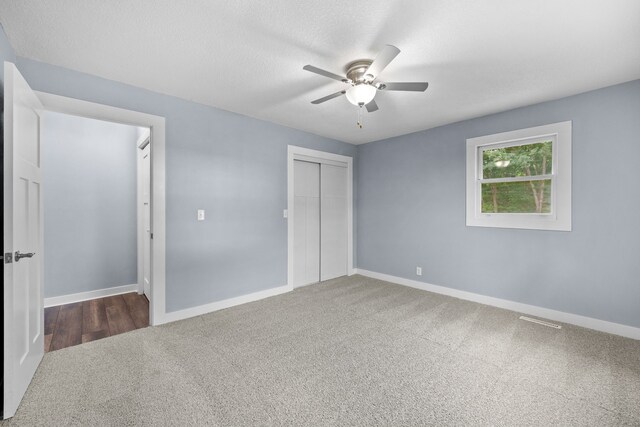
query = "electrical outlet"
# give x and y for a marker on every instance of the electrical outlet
(200, 214)
(419, 271)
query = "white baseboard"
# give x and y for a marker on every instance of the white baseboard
(219, 305)
(558, 316)
(83, 296)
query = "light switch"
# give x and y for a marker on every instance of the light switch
(285, 214)
(200, 214)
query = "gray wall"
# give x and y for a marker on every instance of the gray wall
(6, 54)
(89, 201)
(411, 212)
(231, 165)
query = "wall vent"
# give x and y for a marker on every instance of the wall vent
(540, 322)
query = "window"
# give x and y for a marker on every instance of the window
(521, 179)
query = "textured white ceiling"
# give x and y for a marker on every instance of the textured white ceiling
(479, 57)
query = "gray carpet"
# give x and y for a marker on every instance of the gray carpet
(352, 351)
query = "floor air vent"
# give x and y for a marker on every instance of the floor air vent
(540, 322)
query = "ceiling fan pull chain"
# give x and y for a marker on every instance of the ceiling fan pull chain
(360, 123)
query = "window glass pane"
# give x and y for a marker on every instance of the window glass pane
(520, 160)
(517, 197)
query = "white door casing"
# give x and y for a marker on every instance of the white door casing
(23, 287)
(306, 223)
(333, 214)
(156, 124)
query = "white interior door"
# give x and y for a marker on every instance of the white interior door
(333, 214)
(23, 288)
(146, 218)
(306, 228)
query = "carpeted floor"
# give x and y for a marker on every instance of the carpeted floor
(352, 351)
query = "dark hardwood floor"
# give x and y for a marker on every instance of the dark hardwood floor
(80, 322)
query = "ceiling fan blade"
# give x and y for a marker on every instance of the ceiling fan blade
(325, 73)
(328, 97)
(371, 106)
(406, 86)
(383, 59)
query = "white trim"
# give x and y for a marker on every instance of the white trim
(84, 296)
(560, 217)
(230, 302)
(301, 153)
(532, 310)
(76, 107)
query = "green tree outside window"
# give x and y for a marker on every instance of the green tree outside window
(527, 196)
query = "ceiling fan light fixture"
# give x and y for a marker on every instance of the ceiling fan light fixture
(361, 94)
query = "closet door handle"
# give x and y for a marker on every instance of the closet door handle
(20, 256)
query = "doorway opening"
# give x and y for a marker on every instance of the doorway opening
(156, 125)
(96, 226)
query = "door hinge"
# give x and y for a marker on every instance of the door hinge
(7, 258)
(151, 236)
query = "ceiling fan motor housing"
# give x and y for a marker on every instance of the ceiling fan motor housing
(356, 71)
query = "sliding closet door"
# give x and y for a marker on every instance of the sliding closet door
(333, 231)
(306, 223)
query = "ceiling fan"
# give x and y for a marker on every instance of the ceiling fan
(362, 76)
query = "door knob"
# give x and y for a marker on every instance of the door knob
(27, 255)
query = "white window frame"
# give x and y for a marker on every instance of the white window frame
(559, 219)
